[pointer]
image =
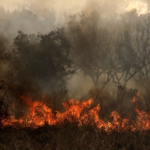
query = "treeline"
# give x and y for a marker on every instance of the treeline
(118, 49)
(28, 21)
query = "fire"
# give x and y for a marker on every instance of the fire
(79, 112)
(143, 119)
(38, 115)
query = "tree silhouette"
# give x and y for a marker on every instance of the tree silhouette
(129, 50)
(92, 48)
(41, 61)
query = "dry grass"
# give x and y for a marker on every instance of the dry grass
(70, 137)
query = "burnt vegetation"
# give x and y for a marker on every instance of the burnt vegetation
(34, 61)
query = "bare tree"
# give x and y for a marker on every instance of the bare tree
(143, 77)
(92, 47)
(129, 46)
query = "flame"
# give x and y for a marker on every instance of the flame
(134, 99)
(79, 112)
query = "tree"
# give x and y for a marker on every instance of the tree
(55, 48)
(143, 76)
(128, 49)
(41, 62)
(91, 47)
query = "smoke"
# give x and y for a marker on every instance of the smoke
(4, 56)
(33, 16)
(71, 6)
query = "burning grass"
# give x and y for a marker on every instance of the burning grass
(79, 112)
(78, 127)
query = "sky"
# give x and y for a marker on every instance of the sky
(74, 6)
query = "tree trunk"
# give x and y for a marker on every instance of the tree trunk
(95, 81)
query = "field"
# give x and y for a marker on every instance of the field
(70, 137)
(80, 126)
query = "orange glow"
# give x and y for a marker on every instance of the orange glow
(79, 112)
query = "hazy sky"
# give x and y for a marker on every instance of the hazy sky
(73, 6)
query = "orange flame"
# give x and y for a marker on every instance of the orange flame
(79, 112)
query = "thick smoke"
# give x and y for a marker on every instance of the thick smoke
(71, 6)
(44, 16)
(4, 57)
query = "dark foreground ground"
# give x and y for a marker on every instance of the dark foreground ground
(70, 137)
